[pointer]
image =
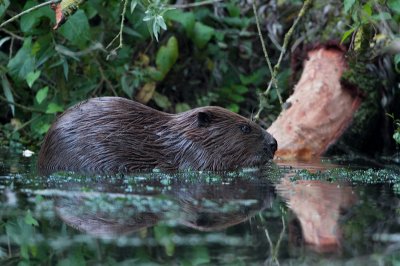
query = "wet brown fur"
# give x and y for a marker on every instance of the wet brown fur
(112, 134)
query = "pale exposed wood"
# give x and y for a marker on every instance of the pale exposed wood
(320, 109)
(317, 205)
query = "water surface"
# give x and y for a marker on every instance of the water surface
(332, 212)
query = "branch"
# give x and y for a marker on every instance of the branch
(28, 11)
(120, 32)
(207, 2)
(274, 73)
(12, 34)
(23, 107)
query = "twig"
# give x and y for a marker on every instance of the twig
(23, 107)
(105, 79)
(12, 34)
(262, 39)
(11, 49)
(27, 123)
(120, 32)
(62, 50)
(9, 246)
(278, 244)
(288, 35)
(207, 2)
(275, 249)
(28, 11)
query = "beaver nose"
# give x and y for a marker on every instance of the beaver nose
(271, 146)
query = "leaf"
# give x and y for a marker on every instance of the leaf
(65, 51)
(132, 32)
(162, 100)
(382, 16)
(65, 68)
(167, 56)
(348, 4)
(233, 107)
(23, 62)
(234, 10)
(202, 34)
(154, 74)
(240, 89)
(42, 128)
(127, 85)
(133, 5)
(255, 78)
(146, 92)
(367, 8)
(200, 256)
(394, 5)
(8, 93)
(3, 7)
(42, 94)
(32, 77)
(160, 21)
(74, 258)
(396, 137)
(181, 107)
(29, 220)
(187, 19)
(163, 236)
(31, 19)
(397, 62)
(53, 108)
(76, 29)
(156, 29)
(3, 40)
(347, 34)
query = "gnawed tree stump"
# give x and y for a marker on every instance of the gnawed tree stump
(318, 111)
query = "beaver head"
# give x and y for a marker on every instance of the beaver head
(213, 138)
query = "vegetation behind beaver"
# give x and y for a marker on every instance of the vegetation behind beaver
(114, 135)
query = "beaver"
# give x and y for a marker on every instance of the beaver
(117, 135)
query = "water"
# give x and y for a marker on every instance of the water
(329, 212)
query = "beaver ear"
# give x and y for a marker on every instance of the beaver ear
(203, 119)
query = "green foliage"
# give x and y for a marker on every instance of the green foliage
(372, 35)
(154, 16)
(76, 29)
(24, 61)
(8, 93)
(29, 22)
(32, 77)
(3, 7)
(396, 134)
(202, 34)
(167, 56)
(204, 58)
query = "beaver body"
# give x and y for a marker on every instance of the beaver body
(112, 135)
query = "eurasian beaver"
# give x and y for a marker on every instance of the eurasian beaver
(114, 135)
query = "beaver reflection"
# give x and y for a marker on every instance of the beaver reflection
(202, 206)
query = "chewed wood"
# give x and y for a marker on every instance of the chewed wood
(319, 110)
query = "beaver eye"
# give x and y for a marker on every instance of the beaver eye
(246, 129)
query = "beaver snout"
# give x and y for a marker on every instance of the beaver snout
(270, 146)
